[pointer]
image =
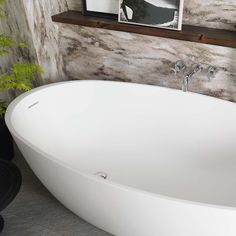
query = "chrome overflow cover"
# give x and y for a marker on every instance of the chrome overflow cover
(101, 174)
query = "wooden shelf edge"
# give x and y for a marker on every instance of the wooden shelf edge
(189, 33)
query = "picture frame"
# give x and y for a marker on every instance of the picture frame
(101, 8)
(166, 14)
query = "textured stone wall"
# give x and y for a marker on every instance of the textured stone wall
(210, 13)
(100, 54)
(74, 52)
(15, 24)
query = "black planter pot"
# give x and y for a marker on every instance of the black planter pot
(1, 224)
(6, 142)
(10, 182)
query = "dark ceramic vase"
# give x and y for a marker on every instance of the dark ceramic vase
(10, 182)
(6, 142)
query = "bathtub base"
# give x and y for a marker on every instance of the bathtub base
(124, 211)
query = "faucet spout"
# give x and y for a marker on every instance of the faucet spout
(195, 68)
(185, 84)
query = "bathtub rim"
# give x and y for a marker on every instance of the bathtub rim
(92, 177)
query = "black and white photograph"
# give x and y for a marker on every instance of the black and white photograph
(155, 13)
(103, 8)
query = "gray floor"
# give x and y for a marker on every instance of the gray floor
(36, 212)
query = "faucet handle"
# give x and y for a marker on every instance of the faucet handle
(211, 72)
(179, 66)
(197, 67)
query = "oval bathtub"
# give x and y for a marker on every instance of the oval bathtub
(134, 160)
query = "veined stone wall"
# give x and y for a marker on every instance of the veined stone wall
(75, 52)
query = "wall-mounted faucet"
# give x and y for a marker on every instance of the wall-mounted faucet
(180, 66)
(195, 69)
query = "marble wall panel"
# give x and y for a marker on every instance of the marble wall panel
(15, 25)
(45, 35)
(110, 55)
(73, 52)
(211, 13)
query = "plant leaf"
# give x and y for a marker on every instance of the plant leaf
(20, 77)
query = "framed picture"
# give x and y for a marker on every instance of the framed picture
(156, 13)
(101, 8)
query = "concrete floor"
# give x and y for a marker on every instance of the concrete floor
(36, 212)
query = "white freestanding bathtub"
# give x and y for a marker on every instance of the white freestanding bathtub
(134, 160)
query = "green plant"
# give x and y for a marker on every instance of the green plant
(20, 77)
(6, 43)
(3, 108)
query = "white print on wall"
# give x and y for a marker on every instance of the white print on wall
(156, 13)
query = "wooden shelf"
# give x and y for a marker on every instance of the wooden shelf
(189, 33)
